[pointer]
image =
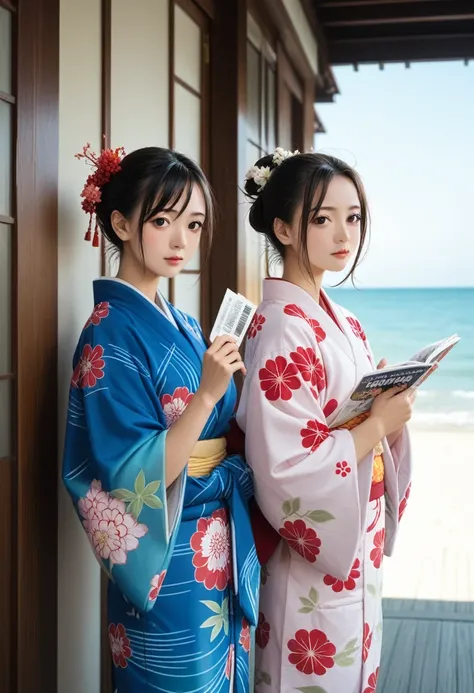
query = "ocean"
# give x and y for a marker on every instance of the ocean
(398, 322)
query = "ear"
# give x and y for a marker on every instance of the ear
(282, 231)
(120, 225)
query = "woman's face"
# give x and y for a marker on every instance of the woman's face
(334, 235)
(170, 239)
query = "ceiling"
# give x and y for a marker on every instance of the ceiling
(367, 31)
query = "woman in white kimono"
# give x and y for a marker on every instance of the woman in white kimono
(335, 497)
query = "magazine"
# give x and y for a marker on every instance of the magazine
(408, 374)
(234, 317)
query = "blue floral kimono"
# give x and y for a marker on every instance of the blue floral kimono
(184, 575)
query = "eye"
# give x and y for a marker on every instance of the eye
(320, 221)
(195, 226)
(354, 219)
(160, 222)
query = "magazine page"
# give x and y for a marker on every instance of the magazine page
(435, 351)
(374, 384)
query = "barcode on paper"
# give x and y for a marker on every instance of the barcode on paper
(234, 316)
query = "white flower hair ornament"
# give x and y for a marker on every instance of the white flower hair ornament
(261, 174)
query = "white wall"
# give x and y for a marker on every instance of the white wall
(79, 264)
(139, 117)
(140, 75)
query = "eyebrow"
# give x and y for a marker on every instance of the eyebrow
(333, 209)
(193, 214)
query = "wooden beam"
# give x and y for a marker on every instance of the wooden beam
(227, 146)
(374, 3)
(37, 344)
(406, 49)
(431, 11)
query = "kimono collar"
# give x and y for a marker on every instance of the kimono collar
(340, 332)
(282, 290)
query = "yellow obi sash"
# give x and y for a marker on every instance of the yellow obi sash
(206, 456)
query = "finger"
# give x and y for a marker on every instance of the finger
(227, 348)
(220, 341)
(233, 357)
(382, 364)
(239, 367)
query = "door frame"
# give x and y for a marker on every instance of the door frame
(33, 632)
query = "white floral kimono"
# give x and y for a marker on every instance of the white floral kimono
(320, 625)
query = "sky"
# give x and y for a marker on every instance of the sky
(410, 134)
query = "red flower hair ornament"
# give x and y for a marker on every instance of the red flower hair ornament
(106, 164)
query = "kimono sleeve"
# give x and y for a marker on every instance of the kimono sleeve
(306, 477)
(114, 463)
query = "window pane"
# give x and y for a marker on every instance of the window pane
(187, 51)
(5, 418)
(253, 93)
(187, 123)
(5, 51)
(187, 294)
(5, 158)
(5, 298)
(271, 110)
(253, 154)
(195, 262)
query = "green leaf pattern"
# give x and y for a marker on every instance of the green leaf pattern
(262, 677)
(292, 507)
(309, 603)
(220, 620)
(346, 657)
(143, 494)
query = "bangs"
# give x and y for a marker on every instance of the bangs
(162, 191)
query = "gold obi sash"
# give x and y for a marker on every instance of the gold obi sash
(378, 470)
(206, 456)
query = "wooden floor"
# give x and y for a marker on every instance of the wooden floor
(428, 644)
(428, 647)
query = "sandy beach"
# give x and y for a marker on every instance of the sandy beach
(434, 556)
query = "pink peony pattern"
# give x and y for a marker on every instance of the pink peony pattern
(244, 639)
(174, 405)
(211, 546)
(111, 530)
(229, 665)
(156, 585)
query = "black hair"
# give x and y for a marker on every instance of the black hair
(299, 178)
(152, 179)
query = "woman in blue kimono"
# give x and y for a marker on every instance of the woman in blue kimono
(164, 506)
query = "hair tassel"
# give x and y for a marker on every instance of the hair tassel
(95, 241)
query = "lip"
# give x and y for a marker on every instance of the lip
(341, 253)
(174, 260)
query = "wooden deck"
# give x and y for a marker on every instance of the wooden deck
(428, 642)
